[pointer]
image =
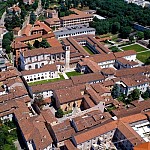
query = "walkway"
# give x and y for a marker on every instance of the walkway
(17, 145)
(65, 76)
(143, 51)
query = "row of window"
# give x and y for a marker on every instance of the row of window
(71, 34)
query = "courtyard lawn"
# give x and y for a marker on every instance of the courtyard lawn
(46, 81)
(110, 108)
(88, 50)
(135, 47)
(143, 56)
(74, 73)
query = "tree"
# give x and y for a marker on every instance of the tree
(23, 12)
(44, 43)
(32, 18)
(5, 42)
(38, 99)
(140, 35)
(125, 31)
(147, 34)
(59, 113)
(115, 27)
(35, 5)
(131, 38)
(8, 35)
(135, 94)
(29, 46)
(122, 98)
(36, 44)
(8, 49)
(115, 91)
(6, 140)
(47, 3)
(114, 49)
(12, 22)
(145, 95)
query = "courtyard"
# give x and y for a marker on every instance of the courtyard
(73, 73)
(136, 47)
(46, 81)
(88, 50)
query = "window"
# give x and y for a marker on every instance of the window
(36, 66)
(29, 67)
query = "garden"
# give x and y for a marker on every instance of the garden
(74, 73)
(88, 50)
(135, 47)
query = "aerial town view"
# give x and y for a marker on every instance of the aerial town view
(74, 75)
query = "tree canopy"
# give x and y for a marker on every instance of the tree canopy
(6, 138)
(115, 91)
(59, 113)
(32, 18)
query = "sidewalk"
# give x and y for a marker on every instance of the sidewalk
(65, 76)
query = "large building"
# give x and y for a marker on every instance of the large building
(74, 31)
(77, 18)
(74, 19)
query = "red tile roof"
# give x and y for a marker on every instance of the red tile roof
(41, 51)
(68, 94)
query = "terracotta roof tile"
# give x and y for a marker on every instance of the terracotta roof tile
(68, 94)
(40, 51)
(85, 78)
(52, 86)
(91, 133)
(125, 53)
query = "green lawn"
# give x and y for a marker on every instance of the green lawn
(46, 81)
(143, 56)
(74, 73)
(135, 47)
(88, 50)
(110, 108)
